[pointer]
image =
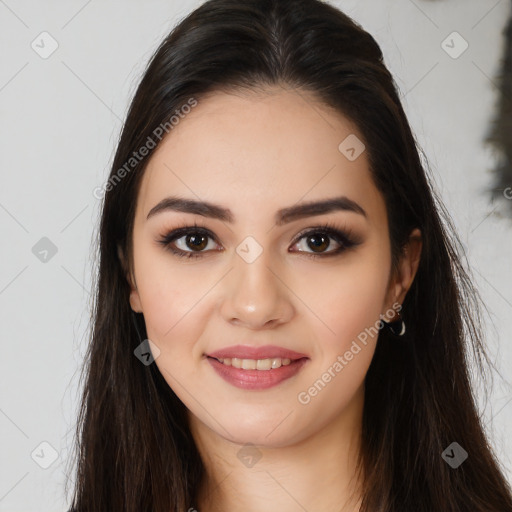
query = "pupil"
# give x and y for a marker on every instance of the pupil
(193, 240)
(319, 241)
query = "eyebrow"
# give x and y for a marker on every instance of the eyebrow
(282, 216)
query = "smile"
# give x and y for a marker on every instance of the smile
(256, 374)
(255, 364)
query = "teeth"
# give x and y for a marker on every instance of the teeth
(263, 364)
(255, 364)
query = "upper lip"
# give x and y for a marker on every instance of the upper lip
(251, 352)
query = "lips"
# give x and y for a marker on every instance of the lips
(237, 365)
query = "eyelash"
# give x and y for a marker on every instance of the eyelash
(343, 238)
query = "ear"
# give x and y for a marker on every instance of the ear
(406, 270)
(135, 301)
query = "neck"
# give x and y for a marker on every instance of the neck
(317, 473)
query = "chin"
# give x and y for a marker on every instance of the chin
(276, 430)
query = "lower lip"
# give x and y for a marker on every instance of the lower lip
(256, 379)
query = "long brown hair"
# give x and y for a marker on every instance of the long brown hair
(134, 450)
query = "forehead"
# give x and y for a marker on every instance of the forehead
(260, 152)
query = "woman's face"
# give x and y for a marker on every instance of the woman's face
(263, 278)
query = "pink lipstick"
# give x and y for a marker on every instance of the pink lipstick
(256, 368)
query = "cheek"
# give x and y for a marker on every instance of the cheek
(173, 313)
(171, 299)
(350, 307)
(347, 299)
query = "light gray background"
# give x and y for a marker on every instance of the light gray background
(60, 119)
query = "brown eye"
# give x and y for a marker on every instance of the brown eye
(319, 242)
(189, 242)
(316, 241)
(196, 242)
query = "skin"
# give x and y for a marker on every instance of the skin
(256, 153)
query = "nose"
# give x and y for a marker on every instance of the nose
(256, 294)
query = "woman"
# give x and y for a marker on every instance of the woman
(281, 315)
